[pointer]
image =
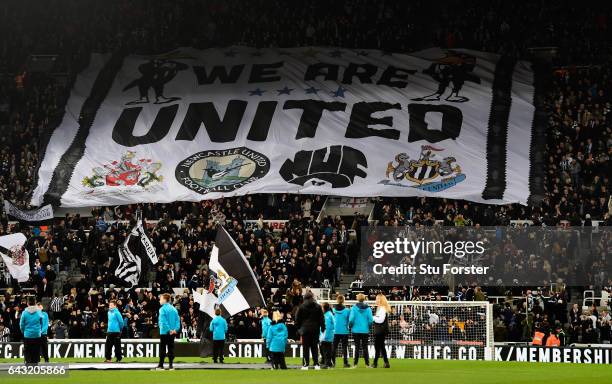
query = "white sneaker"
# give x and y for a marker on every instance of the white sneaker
(305, 368)
(317, 368)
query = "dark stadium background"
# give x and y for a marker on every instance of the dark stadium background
(43, 48)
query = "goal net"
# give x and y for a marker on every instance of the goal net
(460, 330)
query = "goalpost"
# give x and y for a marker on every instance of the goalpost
(435, 330)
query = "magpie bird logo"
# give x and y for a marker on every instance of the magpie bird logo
(427, 172)
(224, 285)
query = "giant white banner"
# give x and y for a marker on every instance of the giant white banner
(201, 124)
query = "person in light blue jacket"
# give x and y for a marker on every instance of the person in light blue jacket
(113, 332)
(276, 341)
(169, 326)
(327, 336)
(360, 320)
(30, 325)
(218, 327)
(341, 330)
(44, 323)
(265, 325)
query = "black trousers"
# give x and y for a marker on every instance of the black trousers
(361, 341)
(278, 360)
(379, 348)
(44, 349)
(310, 344)
(218, 346)
(31, 350)
(327, 353)
(341, 339)
(166, 348)
(113, 340)
(267, 354)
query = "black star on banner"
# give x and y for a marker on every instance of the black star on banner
(339, 92)
(336, 53)
(256, 92)
(362, 53)
(230, 53)
(257, 53)
(284, 91)
(311, 91)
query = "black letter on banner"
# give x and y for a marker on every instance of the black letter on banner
(265, 73)
(452, 118)
(392, 76)
(497, 135)
(365, 76)
(218, 72)
(313, 110)
(316, 70)
(219, 131)
(361, 119)
(262, 120)
(123, 131)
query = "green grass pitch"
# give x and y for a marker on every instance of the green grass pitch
(402, 371)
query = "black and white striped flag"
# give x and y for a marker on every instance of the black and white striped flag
(131, 253)
(235, 287)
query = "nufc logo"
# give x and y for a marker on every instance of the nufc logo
(223, 285)
(426, 173)
(337, 165)
(221, 171)
(454, 68)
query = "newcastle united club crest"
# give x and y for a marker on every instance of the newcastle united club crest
(222, 284)
(127, 172)
(426, 173)
(221, 170)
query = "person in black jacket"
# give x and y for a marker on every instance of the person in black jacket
(309, 322)
(381, 329)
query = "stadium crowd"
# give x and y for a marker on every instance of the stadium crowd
(73, 261)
